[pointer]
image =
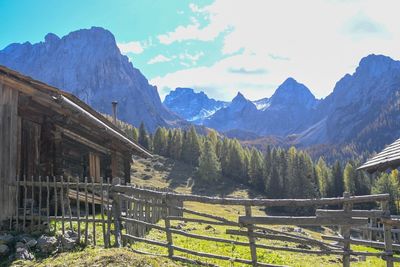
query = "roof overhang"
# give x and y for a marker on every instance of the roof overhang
(61, 99)
(388, 158)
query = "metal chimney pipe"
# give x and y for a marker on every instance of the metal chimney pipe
(114, 111)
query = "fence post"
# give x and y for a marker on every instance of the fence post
(252, 241)
(166, 213)
(345, 231)
(116, 206)
(387, 232)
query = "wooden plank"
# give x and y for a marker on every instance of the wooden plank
(8, 150)
(353, 213)
(86, 212)
(78, 210)
(168, 228)
(62, 206)
(94, 213)
(144, 240)
(345, 231)
(293, 220)
(387, 231)
(185, 219)
(367, 243)
(252, 240)
(103, 225)
(84, 141)
(256, 202)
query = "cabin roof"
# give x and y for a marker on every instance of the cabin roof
(67, 100)
(388, 158)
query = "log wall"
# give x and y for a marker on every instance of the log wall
(8, 151)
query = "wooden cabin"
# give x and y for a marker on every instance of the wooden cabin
(48, 132)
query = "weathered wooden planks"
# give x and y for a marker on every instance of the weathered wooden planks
(8, 150)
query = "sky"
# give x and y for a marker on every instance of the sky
(223, 46)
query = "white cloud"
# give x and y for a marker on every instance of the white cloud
(317, 42)
(158, 59)
(131, 47)
(253, 79)
(192, 58)
(195, 31)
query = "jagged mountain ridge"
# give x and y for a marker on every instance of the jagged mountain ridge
(359, 115)
(353, 112)
(192, 106)
(89, 64)
(280, 114)
(285, 112)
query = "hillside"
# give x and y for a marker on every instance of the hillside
(161, 172)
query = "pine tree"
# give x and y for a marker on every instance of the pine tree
(169, 140)
(160, 141)
(176, 145)
(236, 166)
(256, 169)
(349, 178)
(274, 188)
(323, 176)
(144, 139)
(191, 148)
(224, 156)
(337, 180)
(388, 183)
(209, 166)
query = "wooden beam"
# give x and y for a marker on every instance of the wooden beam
(312, 220)
(83, 140)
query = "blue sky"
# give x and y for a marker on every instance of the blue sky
(223, 46)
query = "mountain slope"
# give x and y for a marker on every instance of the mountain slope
(192, 106)
(284, 113)
(359, 105)
(89, 64)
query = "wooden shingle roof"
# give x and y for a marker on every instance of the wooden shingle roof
(389, 158)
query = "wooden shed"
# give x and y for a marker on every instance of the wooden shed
(48, 132)
(388, 158)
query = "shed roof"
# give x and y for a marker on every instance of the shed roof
(61, 98)
(389, 158)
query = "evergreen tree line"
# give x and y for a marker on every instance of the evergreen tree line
(276, 172)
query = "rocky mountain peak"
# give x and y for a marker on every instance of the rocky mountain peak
(51, 38)
(89, 64)
(192, 106)
(291, 92)
(239, 98)
(375, 65)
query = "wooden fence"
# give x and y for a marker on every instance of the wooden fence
(125, 213)
(57, 203)
(256, 227)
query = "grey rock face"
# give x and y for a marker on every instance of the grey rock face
(4, 249)
(286, 112)
(6, 238)
(47, 244)
(69, 240)
(192, 106)
(23, 253)
(89, 64)
(360, 108)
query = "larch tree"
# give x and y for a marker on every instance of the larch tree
(209, 166)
